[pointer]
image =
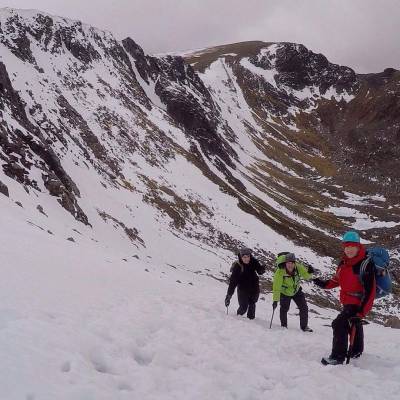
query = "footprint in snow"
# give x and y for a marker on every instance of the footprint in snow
(99, 363)
(124, 386)
(66, 367)
(143, 357)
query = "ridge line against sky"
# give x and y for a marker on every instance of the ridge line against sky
(361, 34)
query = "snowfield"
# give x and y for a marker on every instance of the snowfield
(77, 322)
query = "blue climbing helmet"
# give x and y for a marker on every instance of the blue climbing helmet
(351, 236)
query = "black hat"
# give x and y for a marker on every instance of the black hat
(290, 257)
(244, 251)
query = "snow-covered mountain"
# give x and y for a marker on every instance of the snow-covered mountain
(127, 183)
(177, 161)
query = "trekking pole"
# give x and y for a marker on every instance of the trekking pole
(352, 337)
(273, 312)
(227, 308)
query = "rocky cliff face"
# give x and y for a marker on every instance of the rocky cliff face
(264, 144)
(358, 114)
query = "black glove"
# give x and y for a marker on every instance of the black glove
(227, 300)
(319, 282)
(310, 269)
(274, 304)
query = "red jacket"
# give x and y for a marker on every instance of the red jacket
(352, 290)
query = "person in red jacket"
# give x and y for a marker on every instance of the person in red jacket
(356, 297)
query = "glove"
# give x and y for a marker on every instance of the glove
(319, 282)
(310, 269)
(227, 300)
(274, 304)
(360, 313)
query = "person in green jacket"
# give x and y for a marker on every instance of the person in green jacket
(286, 286)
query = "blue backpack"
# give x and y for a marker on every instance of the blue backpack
(380, 257)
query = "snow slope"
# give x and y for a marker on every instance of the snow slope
(79, 323)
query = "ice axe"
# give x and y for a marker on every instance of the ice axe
(353, 328)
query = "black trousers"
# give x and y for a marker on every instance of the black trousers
(301, 303)
(341, 330)
(247, 302)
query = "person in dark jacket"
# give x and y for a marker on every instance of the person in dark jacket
(356, 297)
(244, 275)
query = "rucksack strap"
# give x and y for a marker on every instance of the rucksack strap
(363, 267)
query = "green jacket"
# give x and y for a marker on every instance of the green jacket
(288, 284)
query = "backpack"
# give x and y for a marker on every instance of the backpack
(381, 258)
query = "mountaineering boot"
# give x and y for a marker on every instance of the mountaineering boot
(306, 329)
(331, 361)
(251, 311)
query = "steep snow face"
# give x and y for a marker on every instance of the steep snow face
(135, 183)
(274, 158)
(79, 322)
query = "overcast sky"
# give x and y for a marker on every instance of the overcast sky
(362, 34)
